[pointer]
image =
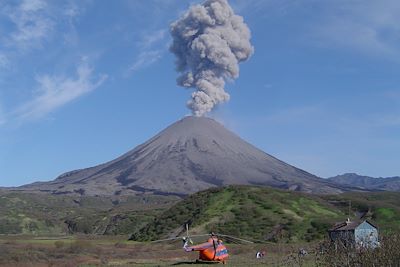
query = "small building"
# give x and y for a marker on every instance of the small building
(359, 234)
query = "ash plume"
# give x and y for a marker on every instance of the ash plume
(209, 41)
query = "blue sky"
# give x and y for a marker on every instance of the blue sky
(82, 82)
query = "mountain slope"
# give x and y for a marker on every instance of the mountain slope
(270, 214)
(366, 182)
(247, 211)
(45, 214)
(191, 155)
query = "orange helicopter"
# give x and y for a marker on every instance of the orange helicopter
(211, 251)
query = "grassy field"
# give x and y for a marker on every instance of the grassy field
(73, 251)
(116, 251)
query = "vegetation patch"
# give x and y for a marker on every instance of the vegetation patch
(257, 213)
(44, 214)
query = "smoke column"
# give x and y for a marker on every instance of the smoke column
(209, 42)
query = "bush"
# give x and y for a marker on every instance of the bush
(337, 254)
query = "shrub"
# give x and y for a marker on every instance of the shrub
(337, 254)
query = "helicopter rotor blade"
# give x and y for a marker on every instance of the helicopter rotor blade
(235, 238)
(188, 239)
(177, 238)
(167, 239)
(232, 238)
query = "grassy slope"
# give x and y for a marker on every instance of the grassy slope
(382, 208)
(250, 212)
(40, 214)
(270, 214)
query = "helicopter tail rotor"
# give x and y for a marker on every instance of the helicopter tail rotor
(187, 234)
(186, 239)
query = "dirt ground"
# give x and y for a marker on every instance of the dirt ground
(116, 251)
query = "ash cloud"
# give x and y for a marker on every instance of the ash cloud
(209, 42)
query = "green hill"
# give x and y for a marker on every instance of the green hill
(270, 215)
(259, 213)
(44, 214)
(383, 208)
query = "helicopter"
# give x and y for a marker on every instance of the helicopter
(211, 251)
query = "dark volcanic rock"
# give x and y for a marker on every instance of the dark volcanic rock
(191, 155)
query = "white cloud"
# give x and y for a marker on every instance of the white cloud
(54, 92)
(32, 5)
(145, 59)
(151, 49)
(153, 38)
(32, 24)
(72, 11)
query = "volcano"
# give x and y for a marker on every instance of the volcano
(192, 154)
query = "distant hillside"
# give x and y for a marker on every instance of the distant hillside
(43, 214)
(252, 212)
(366, 182)
(270, 214)
(191, 155)
(383, 208)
